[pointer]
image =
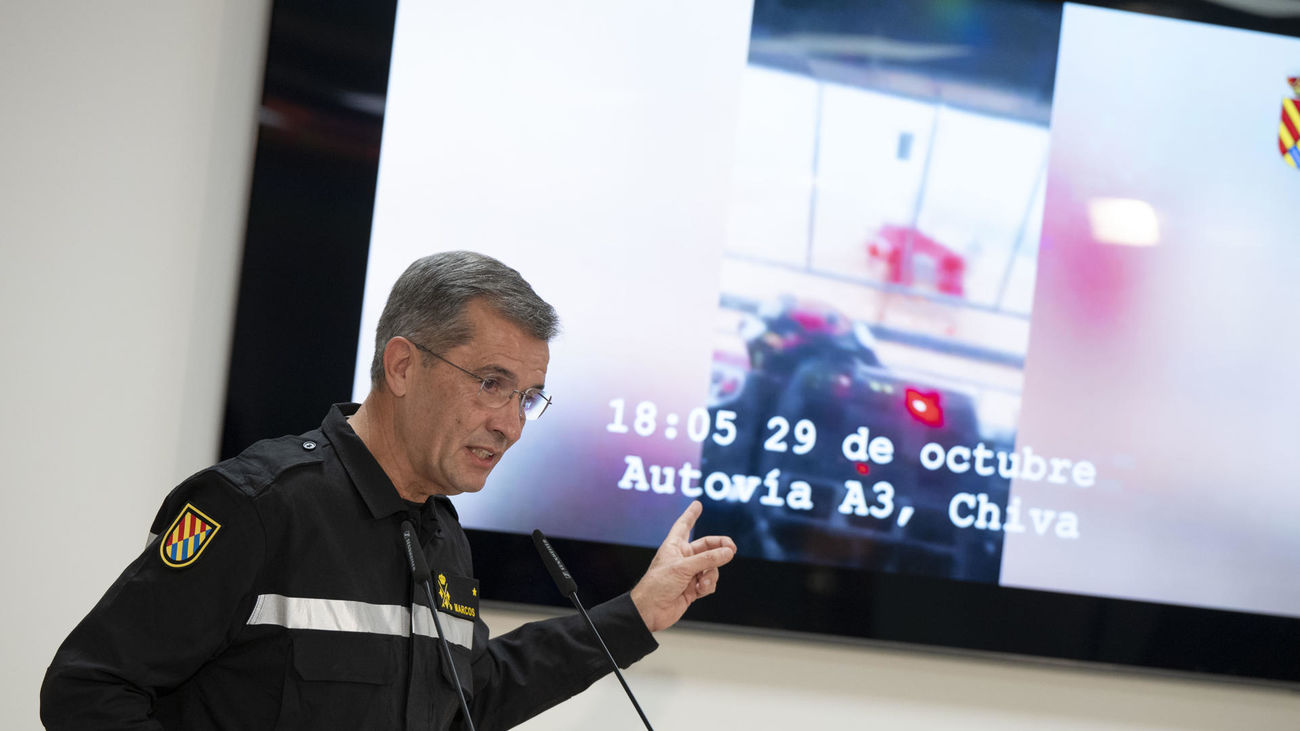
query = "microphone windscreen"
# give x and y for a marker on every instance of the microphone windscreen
(563, 581)
(414, 554)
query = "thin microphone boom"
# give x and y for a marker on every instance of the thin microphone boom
(569, 588)
(420, 570)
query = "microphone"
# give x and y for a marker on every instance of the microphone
(569, 588)
(420, 570)
(551, 560)
(414, 556)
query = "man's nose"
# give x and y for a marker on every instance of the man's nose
(508, 420)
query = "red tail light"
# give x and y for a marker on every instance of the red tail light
(924, 407)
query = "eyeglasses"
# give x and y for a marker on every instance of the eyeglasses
(495, 392)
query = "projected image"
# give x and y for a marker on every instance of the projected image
(910, 287)
(877, 282)
(1158, 352)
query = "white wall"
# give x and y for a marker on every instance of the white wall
(127, 132)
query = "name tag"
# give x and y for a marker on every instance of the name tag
(456, 595)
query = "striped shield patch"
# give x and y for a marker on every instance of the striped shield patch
(1288, 132)
(188, 535)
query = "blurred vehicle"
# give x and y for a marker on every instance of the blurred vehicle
(800, 360)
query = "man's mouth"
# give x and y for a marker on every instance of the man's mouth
(482, 453)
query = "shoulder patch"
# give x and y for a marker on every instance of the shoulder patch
(188, 535)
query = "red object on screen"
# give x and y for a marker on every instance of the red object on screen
(912, 258)
(924, 407)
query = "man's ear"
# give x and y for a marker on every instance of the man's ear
(400, 361)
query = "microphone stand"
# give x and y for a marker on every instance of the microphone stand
(420, 570)
(569, 588)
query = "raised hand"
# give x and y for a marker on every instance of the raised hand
(681, 572)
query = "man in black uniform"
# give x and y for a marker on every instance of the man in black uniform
(276, 593)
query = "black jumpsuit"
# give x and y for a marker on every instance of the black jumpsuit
(277, 595)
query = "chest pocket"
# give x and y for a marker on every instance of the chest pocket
(460, 658)
(342, 680)
(343, 658)
(457, 600)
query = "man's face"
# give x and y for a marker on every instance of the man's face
(451, 439)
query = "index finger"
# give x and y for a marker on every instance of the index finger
(681, 529)
(708, 543)
(708, 560)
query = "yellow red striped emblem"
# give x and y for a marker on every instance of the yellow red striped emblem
(1288, 132)
(183, 542)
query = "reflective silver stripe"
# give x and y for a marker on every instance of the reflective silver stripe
(337, 615)
(459, 631)
(342, 615)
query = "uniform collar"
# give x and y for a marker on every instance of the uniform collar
(378, 492)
